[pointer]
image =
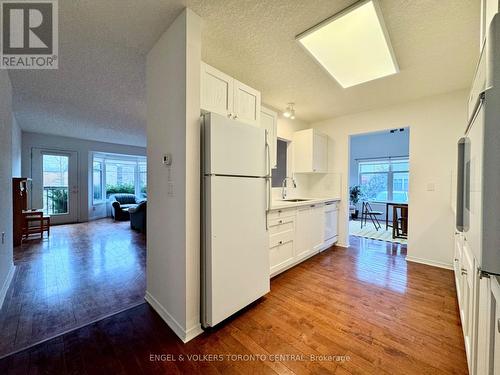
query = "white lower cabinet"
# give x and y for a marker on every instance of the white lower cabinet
(318, 226)
(303, 232)
(296, 234)
(281, 242)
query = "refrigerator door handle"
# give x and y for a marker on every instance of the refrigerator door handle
(268, 178)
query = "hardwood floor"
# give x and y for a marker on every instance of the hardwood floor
(366, 304)
(81, 273)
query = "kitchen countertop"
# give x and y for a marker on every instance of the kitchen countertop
(279, 204)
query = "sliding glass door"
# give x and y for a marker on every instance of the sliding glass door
(54, 185)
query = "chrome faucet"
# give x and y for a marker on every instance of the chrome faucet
(283, 186)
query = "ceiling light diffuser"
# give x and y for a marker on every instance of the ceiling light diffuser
(353, 45)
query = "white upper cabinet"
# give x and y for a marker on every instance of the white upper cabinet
(216, 91)
(246, 104)
(226, 96)
(310, 151)
(269, 121)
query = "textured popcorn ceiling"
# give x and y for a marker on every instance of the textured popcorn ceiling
(98, 93)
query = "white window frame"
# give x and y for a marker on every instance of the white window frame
(130, 159)
(390, 173)
(103, 188)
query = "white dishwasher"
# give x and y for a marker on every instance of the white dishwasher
(331, 221)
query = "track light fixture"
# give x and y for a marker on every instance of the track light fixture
(290, 111)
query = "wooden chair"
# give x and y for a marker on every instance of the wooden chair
(35, 222)
(368, 212)
(399, 221)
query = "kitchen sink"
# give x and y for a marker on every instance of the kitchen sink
(295, 200)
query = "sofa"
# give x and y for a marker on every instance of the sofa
(120, 204)
(138, 217)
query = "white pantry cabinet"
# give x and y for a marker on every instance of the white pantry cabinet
(222, 94)
(269, 121)
(310, 151)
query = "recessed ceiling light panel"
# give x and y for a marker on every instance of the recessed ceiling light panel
(353, 45)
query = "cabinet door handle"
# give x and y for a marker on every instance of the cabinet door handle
(281, 242)
(235, 117)
(229, 115)
(280, 222)
(313, 205)
(463, 271)
(498, 325)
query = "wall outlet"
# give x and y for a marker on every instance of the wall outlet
(431, 186)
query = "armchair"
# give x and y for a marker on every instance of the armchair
(138, 217)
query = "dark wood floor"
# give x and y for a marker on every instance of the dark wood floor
(83, 272)
(366, 304)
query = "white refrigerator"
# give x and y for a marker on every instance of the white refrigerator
(235, 256)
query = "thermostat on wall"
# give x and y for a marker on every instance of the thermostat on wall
(167, 159)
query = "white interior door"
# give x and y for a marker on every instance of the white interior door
(55, 184)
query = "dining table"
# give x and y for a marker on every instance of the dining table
(387, 205)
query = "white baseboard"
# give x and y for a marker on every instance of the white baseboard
(184, 335)
(340, 244)
(429, 262)
(6, 284)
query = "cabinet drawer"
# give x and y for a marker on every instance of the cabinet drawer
(281, 213)
(280, 256)
(281, 225)
(280, 238)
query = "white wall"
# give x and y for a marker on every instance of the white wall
(173, 98)
(86, 209)
(435, 124)
(6, 262)
(16, 148)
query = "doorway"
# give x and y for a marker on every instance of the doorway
(379, 173)
(55, 184)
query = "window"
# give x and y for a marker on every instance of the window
(384, 179)
(120, 177)
(114, 174)
(279, 173)
(97, 181)
(55, 184)
(143, 178)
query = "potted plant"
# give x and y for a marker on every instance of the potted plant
(354, 197)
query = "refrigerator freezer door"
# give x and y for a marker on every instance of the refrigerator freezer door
(233, 148)
(236, 255)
